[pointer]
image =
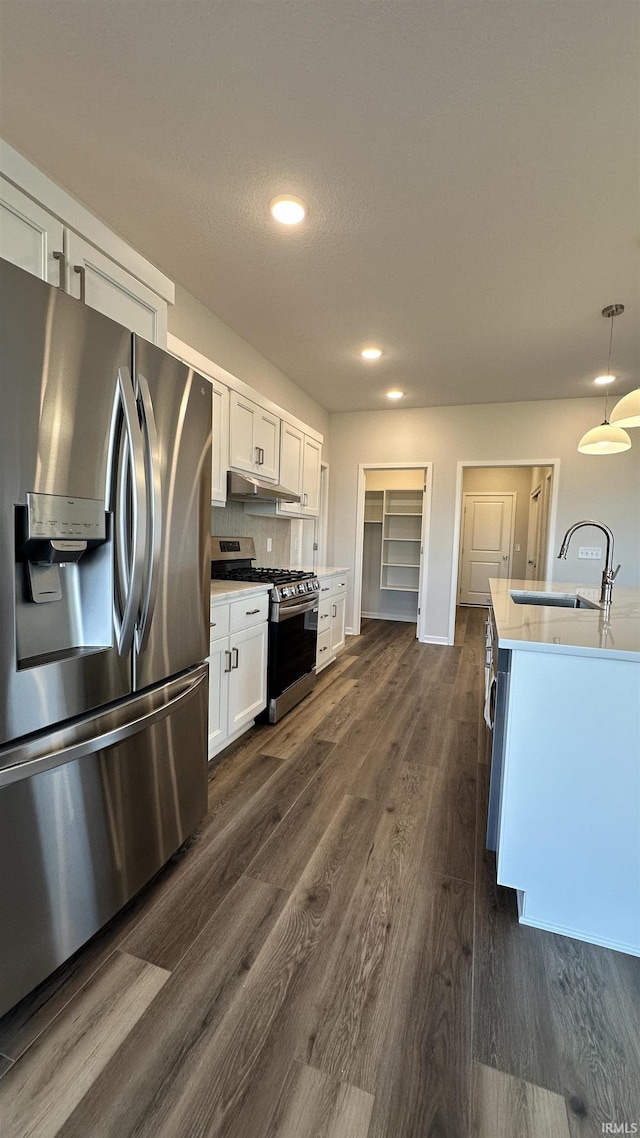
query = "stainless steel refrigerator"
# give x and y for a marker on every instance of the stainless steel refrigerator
(105, 468)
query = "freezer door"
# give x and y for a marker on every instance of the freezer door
(59, 369)
(88, 815)
(174, 404)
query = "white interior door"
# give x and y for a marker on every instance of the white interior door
(487, 542)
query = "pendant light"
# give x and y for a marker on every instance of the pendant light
(626, 412)
(607, 438)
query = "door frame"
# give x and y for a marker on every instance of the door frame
(554, 463)
(425, 533)
(538, 491)
(512, 532)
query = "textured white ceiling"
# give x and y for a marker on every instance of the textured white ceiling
(471, 169)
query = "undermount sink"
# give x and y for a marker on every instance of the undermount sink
(552, 600)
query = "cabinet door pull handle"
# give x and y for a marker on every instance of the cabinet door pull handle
(60, 257)
(212, 624)
(335, 610)
(79, 269)
(250, 612)
(237, 657)
(325, 589)
(227, 660)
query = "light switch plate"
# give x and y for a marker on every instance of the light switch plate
(589, 552)
(269, 544)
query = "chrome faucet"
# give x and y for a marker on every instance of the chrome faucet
(609, 575)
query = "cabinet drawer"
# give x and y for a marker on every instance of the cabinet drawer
(218, 621)
(326, 587)
(324, 615)
(339, 584)
(324, 648)
(246, 613)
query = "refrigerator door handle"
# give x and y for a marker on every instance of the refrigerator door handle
(154, 509)
(132, 573)
(85, 738)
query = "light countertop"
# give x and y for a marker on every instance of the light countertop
(577, 632)
(230, 590)
(324, 570)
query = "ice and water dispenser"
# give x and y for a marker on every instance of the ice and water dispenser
(63, 581)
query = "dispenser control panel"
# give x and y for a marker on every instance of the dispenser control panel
(55, 516)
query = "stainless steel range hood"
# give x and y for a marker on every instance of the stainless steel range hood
(247, 488)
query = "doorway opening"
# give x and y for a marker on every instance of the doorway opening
(504, 524)
(391, 538)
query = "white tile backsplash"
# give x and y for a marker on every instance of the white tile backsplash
(231, 521)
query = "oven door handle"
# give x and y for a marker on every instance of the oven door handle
(285, 612)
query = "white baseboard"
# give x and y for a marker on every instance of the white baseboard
(580, 934)
(434, 640)
(349, 632)
(386, 616)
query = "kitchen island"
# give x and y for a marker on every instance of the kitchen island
(568, 815)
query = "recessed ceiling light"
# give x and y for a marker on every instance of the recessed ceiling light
(604, 379)
(395, 394)
(287, 209)
(371, 353)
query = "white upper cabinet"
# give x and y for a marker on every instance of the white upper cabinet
(30, 237)
(48, 233)
(254, 438)
(219, 418)
(311, 477)
(102, 284)
(291, 464)
(300, 456)
(268, 443)
(219, 443)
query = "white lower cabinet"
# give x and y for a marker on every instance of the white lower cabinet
(338, 637)
(237, 670)
(331, 617)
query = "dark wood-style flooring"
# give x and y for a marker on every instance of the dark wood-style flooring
(331, 957)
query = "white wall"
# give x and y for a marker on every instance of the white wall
(606, 488)
(190, 321)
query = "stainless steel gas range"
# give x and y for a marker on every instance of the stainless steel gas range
(293, 620)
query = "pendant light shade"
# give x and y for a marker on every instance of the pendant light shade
(604, 439)
(609, 437)
(626, 412)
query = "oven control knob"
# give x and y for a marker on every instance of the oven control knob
(286, 591)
